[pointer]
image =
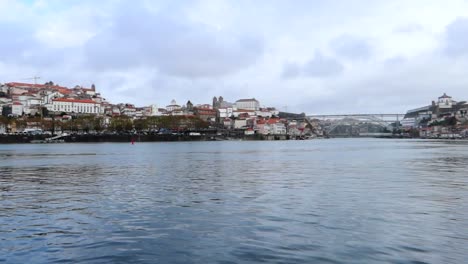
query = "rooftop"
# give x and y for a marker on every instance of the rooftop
(445, 96)
(85, 101)
(247, 100)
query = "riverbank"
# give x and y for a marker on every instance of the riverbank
(83, 138)
(101, 138)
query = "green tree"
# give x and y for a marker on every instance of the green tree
(98, 124)
(121, 123)
(20, 124)
(141, 124)
(4, 121)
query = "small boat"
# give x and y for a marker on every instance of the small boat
(47, 141)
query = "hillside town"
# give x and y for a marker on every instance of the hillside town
(444, 118)
(51, 108)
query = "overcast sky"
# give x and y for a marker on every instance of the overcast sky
(312, 56)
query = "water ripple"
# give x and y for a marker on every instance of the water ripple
(330, 201)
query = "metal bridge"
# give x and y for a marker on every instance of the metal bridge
(333, 121)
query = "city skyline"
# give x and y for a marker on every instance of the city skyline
(320, 58)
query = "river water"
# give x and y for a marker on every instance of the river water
(316, 201)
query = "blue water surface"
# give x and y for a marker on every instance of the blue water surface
(313, 201)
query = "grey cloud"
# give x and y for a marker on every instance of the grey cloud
(351, 47)
(413, 83)
(175, 47)
(394, 61)
(16, 40)
(319, 66)
(409, 28)
(456, 38)
(22, 48)
(291, 70)
(322, 66)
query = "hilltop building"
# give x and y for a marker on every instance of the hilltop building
(248, 104)
(438, 119)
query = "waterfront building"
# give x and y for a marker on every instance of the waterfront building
(127, 110)
(419, 117)
(68, 105)
(262, 127)
(205, 114)
(249, 131)
(415, 116)
(227, 123)
(240, 123)
(278, 128)
(17, 109)
(224, 112)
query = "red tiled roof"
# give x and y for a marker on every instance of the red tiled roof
(244, 110)
(86, 89)
(273, 121)
(32, 85)
(205, 113)
(86, 101)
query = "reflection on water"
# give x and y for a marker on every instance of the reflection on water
(322, 201)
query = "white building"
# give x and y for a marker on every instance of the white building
(17, 109)
(227, 123)
(173, 106)
(225, 112)
(240, 123)
(409, 122)
(128, 110)
(3, 88)
(81, 106)
(29, 102)
(239, 112)
(445, 101)
(248, 104)
(278, 129)
(49, 96)
(155, 111)
(263, 113)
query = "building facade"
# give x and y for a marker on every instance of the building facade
(75, 106)
(248, 104)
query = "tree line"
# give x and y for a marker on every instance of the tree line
(105, 124)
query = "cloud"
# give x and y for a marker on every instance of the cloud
(291, 70)
(319, 66)
(393, 62)
(322, 66)
(351, 47)
(146, 52)
(409, 28)
(456, 38)
(176, 47)
(16, 40)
